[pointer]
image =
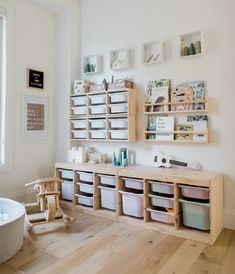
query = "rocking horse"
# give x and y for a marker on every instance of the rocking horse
(47, 208)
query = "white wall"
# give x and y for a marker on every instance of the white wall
(110, 24)
(32, 45)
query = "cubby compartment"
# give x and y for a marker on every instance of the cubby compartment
(161, 216)
(120, 59)
(98, 134)
(79, 124)
(85, 199)
(132, 203)
(79, 110)
(133, 183)
(196, 215)
(118, 134)
(85, 176)
(98, 109)
(194, 192)
(118, 108)
(152, 52)
(67, 190)
(161, 201)
(160, 187)
(97, 99)
(79, 134)
(108, 197)
(107, 180)
(119, 97)
(98, 123)
(66, 174)
(79, 100)
(85, 187)
(191, 44)
(118, 123)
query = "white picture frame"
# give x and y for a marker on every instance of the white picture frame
(35, 117)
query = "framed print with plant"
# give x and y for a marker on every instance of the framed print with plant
(35, 118)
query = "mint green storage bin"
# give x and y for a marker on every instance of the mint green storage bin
(196, 215)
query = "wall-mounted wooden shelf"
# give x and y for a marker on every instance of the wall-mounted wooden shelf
(91, 64)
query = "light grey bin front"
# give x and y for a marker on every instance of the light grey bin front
(196, 215)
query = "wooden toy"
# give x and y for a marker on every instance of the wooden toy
(46, 208)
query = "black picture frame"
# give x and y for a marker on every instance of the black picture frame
(35, 78)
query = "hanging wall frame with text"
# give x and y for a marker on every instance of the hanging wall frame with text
(34, 117)
(35, 79)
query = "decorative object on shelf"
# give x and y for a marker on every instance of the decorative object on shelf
(159, 95)
(121, 83)
(156, 84)
(164, 160)
(165, 124)
(120, 59)
(91, 64)
(105, 84)
(81, 86)
(191, 44)
(152, 52)
(184, 135)
(181, 93)
(77, 155)
(35, 79)
(96, 87)
(34, 117)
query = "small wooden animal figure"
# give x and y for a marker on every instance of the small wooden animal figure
(182, 93)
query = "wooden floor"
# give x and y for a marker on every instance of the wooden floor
(96, 245)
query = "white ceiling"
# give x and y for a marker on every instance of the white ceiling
(53, 5)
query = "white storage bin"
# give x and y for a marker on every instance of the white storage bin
(98, 123)
(79, 124)
(165, 188)
(85, 176)
(108, 197)
(195, 192)
(118, 123)
(119, 134)
(79, 110)
(98, 99)
(107, 180)
(66, 174)
(161, 201)
(85, 200)
(100, 109)
(134, 183)
(118, 97)
(79, 100)
(196, 215)
(118, 108)
(79, 134)
(161, 216)
(67, 190)
(87, 188)
(98, 134)
(132, 204)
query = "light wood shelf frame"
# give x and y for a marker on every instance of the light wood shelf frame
(130, 115)
(211, 180)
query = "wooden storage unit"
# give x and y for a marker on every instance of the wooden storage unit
(177, 177)
(148, 113)
(106, 116)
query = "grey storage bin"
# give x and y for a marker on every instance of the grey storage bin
(66, 174)
(132, 204)
(134, 183)
(161, 216)
(196, 214)
(87, 188)
(108, 197)
(84, 199)
(67, 189)
(85, 176)
(107, 179)
(195, 192)
(165, 188)
(161, 201)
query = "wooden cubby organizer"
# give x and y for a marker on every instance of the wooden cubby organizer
(175, 178)
(190, 112)
(104, 115)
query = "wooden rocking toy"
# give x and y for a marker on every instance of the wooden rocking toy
(46, 208)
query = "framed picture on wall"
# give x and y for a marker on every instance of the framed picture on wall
(35, 111)
(35, 79)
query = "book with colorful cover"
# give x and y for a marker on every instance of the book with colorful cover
(199, 93)
(165, 124)
(184, 136)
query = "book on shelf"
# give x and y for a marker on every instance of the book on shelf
(184, 136)
(199, 93)
(160, 95)
(164, 124)
(151, 127)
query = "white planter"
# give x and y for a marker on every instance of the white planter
(79, 134)
(161, 216)
(98, 99)
(85, 188)
(66, 174)
(118, 108)
(101, 109)
(98, 123)
(79, 124)
(107, 180)
(79, 100)
(165, 188)
(108, 197)
(98, 134)
(118, 123)
(79, 110)
(118, 97)
(67, 190)
(134, 183)
(132, 204)
(85, 176)
(119, 134)
(85, 200)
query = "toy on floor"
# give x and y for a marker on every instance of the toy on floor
(46, 208)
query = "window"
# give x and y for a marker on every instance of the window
(3, 158)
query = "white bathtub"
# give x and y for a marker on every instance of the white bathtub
(12, 229)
